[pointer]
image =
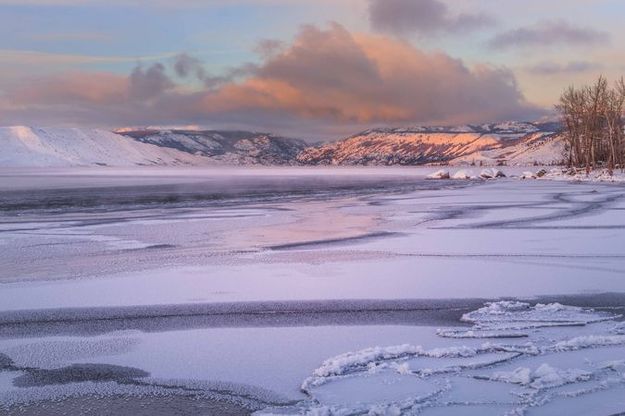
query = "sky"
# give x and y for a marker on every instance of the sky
(305, 68)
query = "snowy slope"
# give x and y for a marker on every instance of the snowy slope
(535, 149)
(398, 148)
(59, 147)
(511, 143)
(522, 143)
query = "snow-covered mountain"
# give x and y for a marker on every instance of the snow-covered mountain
(229, 147)
(502, 143)
(511, 143)
(61, 147)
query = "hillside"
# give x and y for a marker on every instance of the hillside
(509, 143)
(61, 147)
(228, 147)
(489, 143)
(533, 149)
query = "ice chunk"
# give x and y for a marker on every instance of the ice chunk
(439, 174)
(463, 174)
(506, 315)
(554, 364)
(430, 365)
(543, 377)
(518, 376)
(343, 363)
(588, 341)
(372, 359)
(492, 173)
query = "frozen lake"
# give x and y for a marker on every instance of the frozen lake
(320, 291)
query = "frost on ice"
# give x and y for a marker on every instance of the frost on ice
(521, 359)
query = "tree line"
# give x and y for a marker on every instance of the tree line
(592, 117)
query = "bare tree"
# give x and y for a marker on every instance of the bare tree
(592, 117)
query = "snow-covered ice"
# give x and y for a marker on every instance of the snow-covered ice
(327, 292)
(516, 378)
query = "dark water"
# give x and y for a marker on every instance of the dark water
(203, 191)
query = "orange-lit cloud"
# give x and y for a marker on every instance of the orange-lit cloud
(337, 76)
(325, 79)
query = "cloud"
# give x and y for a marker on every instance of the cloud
(327, 80)
(147, 83)
(267, 48)
(548, 34)
(424, 17)
(574, 67)
(340, 77)
(186, 66)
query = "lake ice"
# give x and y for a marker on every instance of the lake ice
(329, 292)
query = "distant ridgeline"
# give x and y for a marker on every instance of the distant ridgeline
(511, 143)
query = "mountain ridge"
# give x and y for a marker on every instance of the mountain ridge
(488, 144)
(511, 143)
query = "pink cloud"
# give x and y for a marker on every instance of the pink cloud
(325, 79)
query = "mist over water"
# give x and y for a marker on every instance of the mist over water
(73, 190)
